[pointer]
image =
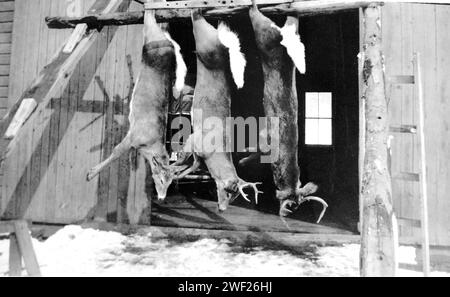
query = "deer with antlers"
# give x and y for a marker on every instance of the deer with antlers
(219, 62)
(161, 63)
(281, 51)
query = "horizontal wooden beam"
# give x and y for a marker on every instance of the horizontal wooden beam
(298, 8)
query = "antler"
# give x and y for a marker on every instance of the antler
(191, 169)
(318, 199)
(242, 185)
(302, 196)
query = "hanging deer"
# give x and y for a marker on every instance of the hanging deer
(161, 63)
(219, 61)
(281, 51)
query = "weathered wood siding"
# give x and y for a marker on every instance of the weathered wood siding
(409, 28)
(6, 24)
(45, 177)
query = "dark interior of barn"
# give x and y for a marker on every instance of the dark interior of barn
(332, 45)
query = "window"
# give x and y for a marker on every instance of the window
(318, 118)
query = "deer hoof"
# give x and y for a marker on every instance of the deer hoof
(91, 174)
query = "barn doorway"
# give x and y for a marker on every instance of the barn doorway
(328, 134)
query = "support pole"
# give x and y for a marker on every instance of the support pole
(379, 228)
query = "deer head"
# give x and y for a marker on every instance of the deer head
(163, 175)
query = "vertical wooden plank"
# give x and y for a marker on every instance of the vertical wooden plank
(15, 258)
(29, 72)
(39, 179)
(116, 97)
(138, 200)
(15, 89)
(18, 44)
(410, 197)
(60, 151)
(124, 162)
(36, 141)
(392, 44)
(86, 116)
(26, 248)
(436, 113)
(50, 168)
(106, 84)
(102, 199)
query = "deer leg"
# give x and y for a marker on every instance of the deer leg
(121, 148)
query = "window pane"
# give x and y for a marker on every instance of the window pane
(325, 105)
(311, 131)
(311, 105)
(324, 129)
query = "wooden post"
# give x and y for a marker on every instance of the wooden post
(378, 237)
(20, 246)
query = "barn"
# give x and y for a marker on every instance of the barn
(83, 81)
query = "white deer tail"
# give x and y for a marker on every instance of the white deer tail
(181, 69)
(295, 48)
(237, 60)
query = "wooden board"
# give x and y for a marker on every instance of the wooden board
(6, 27)
(4, 59)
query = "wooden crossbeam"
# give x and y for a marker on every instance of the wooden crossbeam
(171, 14)
(209, 3)
(58, 72)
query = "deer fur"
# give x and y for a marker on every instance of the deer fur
(212, 98)
(149, 106)
(278, 54)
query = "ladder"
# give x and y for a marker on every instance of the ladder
(420, 177)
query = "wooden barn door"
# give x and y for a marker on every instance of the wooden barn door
(45, 175)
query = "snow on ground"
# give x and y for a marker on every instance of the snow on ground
(74, 251)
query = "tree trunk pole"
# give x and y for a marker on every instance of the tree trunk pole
(379, 227)
(297, 8)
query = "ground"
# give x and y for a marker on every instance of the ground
(74, 251)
